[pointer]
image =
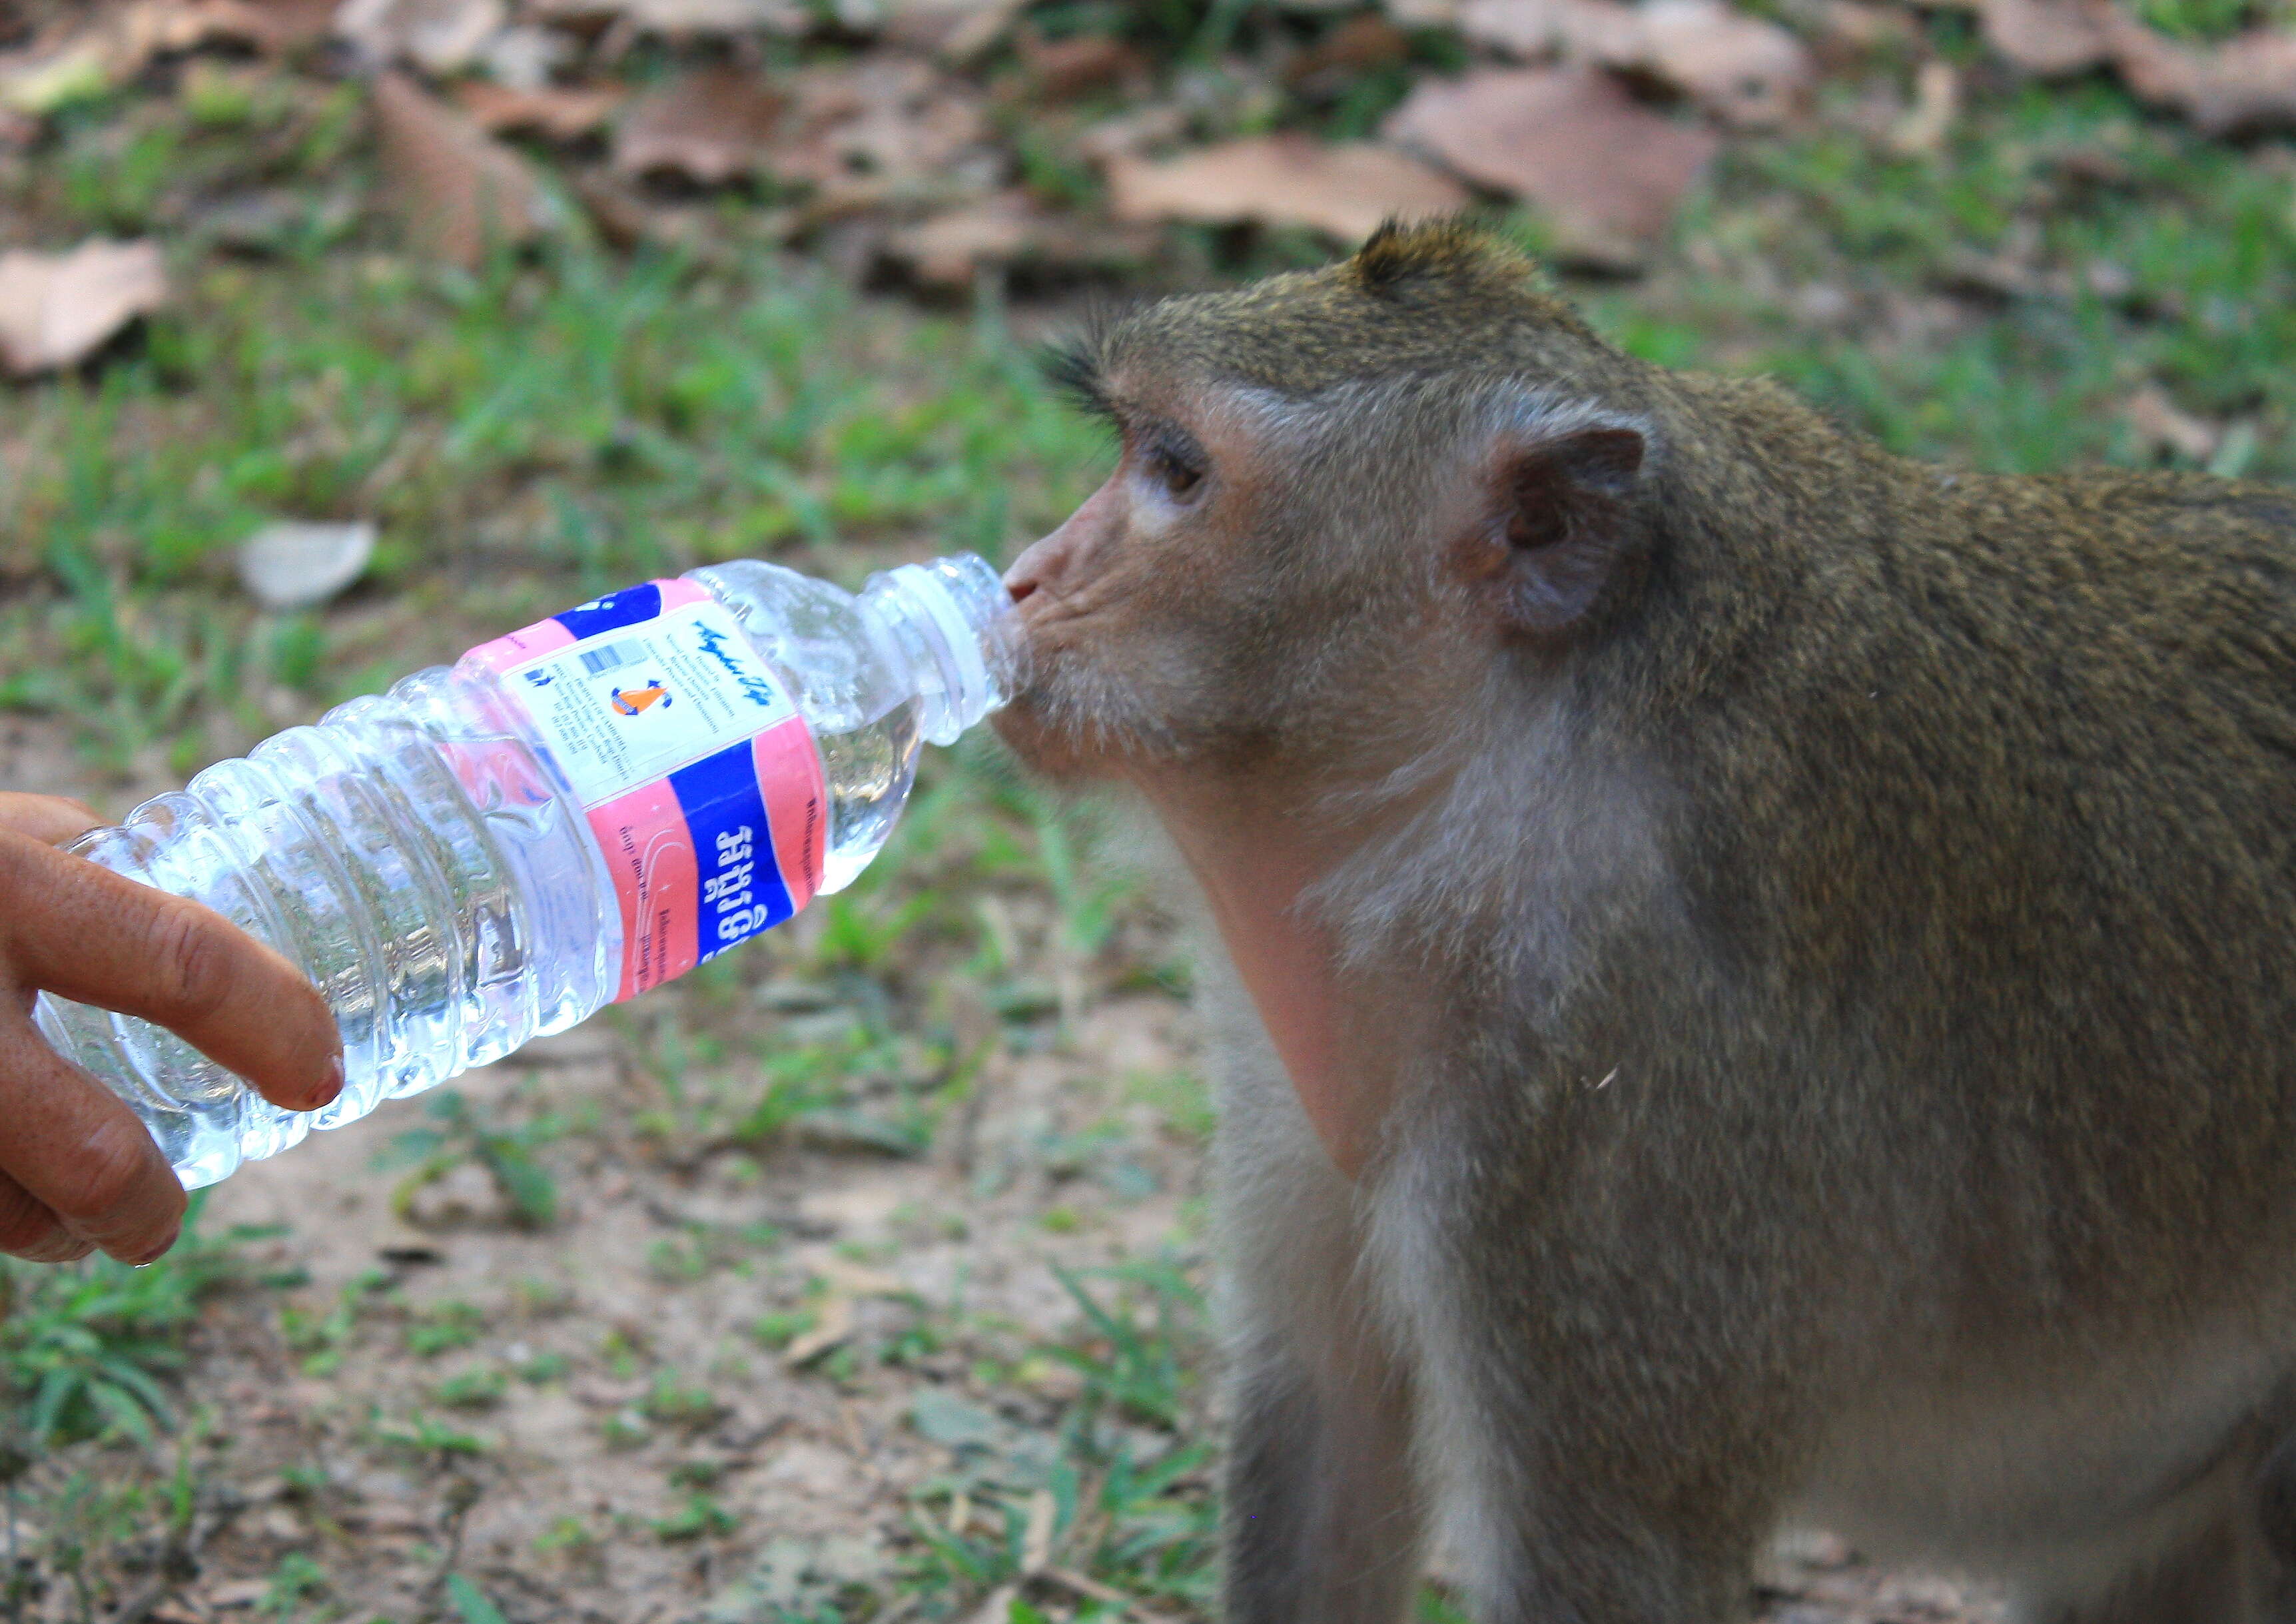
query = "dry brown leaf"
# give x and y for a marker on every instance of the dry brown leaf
(557, 114)
(834, 1325)
(711, 127)
(886, 129)
(2162, 424)
(958, 29)
(2243, 83)
(56, 309)
(1061, 69)
(627, 213)
(149, 27)
(950, 249)
(2246, 82)
(1594, 29)
(456, 190)
(115, 47)
(1746, 70)
(2049, 37)
(1855, 26)
(1154, 125)
(684, 18)
(1344, 189)
(615, 206)
(1361, 44)
(847, 1282)
(291, 25)
(436, 35)
(1605, 171)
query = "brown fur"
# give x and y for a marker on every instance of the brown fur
(1833, 928)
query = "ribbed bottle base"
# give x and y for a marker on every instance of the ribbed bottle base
(410, 858)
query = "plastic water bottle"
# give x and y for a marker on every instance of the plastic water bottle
(567, 816)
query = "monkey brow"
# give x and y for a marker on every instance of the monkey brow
(1073, 368)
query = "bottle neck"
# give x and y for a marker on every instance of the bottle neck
(951, 623)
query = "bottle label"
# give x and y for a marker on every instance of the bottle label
(697, 772)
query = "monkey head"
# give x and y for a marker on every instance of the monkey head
(1344, 500)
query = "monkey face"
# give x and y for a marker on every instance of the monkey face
(1345, 501)
(1263, 581)
(1140, 607)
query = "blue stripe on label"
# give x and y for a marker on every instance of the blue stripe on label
(627, 607)
(742, 890)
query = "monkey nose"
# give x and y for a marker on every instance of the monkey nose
(1039, 562)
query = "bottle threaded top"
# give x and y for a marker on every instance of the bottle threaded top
(955, 609)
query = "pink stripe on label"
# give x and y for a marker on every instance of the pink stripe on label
(789, 774)
(643, 831)
(649, 852)
(516, 648)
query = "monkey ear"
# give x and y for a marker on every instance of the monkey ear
(1563, 522)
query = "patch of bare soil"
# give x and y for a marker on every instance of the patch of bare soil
(589, 1382)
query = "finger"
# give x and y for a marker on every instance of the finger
(50, 819)
(30, 1231)
(87, 934)
(76, 1149)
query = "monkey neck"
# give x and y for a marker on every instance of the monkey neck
(1255, 860)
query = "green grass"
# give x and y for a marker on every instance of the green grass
(2090, 247)
(458, 1134)
(525, 438)
(86, 1349)
(1127, 1478)
(550, 428)
(443, 1327)
(97, 1456)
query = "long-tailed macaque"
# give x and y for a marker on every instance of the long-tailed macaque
(1753, 979)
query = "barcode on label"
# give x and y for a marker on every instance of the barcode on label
(613, 656)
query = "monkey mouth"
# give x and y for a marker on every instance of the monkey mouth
(1040, 705)
(1074, 718)
(1042, 746)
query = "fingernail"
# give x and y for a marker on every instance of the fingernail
(333, 1085)
(161, 1250)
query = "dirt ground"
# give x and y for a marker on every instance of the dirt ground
(821, 1475)
(793, 1454)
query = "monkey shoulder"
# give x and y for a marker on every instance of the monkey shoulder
(2182, 559)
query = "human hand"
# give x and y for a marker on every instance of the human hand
(77, 1171)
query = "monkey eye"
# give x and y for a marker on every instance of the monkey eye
(1178, 474)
